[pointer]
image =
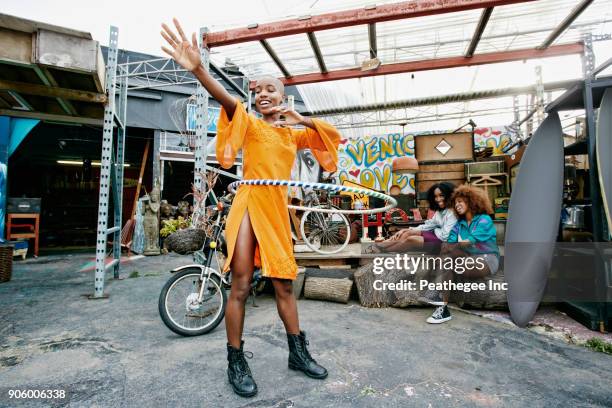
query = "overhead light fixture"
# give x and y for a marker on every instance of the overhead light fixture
(80, 163)
(370, 64)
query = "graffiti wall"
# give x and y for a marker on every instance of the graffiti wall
(495, 137)
(368, 161)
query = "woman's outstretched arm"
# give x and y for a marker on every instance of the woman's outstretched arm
(187, 54)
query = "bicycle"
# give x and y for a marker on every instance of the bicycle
(325, 233)
(192, 302)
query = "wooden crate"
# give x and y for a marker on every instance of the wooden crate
(441, 167)
(461, 147)
(430, 174)
(484, 167)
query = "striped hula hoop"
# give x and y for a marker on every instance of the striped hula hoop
(390, 201)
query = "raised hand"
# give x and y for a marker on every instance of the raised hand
(186, 53)
(291, 117)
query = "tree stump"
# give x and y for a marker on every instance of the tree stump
(404, 297)
(185, 241)
(481, 299)
(335, 290)
(368, 297)
(399, 297)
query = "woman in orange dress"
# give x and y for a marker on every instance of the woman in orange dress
(257, 228)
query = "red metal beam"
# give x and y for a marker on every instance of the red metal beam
(367, 15)
(441, 63)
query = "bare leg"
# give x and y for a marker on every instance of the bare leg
(286, 305)
(242, 275)
(410, 243)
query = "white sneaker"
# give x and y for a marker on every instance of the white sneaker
(440, 315)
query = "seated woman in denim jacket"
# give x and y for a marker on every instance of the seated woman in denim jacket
(433, 232)
(474, 236)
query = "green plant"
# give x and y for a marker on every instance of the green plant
(133, 274)
(171, 226)
(597, 344)
(367, 391)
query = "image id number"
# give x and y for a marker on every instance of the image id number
(36, 394)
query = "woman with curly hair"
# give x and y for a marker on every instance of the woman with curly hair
(473, 240)
(431, 234)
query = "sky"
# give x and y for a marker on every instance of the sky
(139, 26)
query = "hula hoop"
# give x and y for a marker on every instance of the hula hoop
(390, 201)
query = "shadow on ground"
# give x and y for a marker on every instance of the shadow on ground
(116, 352)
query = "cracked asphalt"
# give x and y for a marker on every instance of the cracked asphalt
(116, 352)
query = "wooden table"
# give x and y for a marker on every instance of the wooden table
(10, 225)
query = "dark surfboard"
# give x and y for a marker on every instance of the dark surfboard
(533, 220)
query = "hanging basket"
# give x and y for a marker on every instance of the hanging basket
(6, 262)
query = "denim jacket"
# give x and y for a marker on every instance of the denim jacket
(441, 224)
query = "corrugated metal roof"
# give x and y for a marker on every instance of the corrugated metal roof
(511, 27)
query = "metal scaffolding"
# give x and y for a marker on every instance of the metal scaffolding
(133, 76)
(111, 169)
(587, 95)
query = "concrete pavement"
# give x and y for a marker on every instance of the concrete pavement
(116, 352)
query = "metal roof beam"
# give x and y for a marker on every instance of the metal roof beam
(228, 80)
(573, 15)
(440, 63)
(482, 23)
(4, 103)
(52, 92)
(21, 100)
(442, 99)
(47, 78)
(347, 18)
(51, 117)
(317, 52)
(372, 38)
(275, 58)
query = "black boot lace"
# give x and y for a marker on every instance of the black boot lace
(305, 350)
(243, 366)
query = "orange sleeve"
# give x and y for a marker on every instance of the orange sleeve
(231, 134)
(322, 142)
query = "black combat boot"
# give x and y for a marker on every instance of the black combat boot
(238, 371)
(300, 359)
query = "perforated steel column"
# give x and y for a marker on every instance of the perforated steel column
(539, 94)
(517, 116)
(105, 167)
(201, 121)
(118, 188)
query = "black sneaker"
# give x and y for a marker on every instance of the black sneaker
(432, 297)
(440, 315)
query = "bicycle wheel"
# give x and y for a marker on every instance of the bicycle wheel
(179, 308)
(325, 233)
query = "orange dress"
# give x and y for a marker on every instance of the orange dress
(268, 153)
